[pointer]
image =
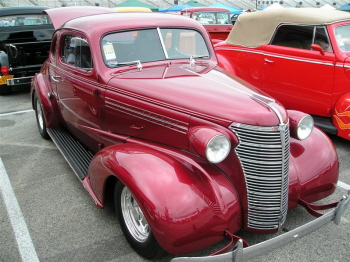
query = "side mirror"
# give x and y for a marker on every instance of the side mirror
(318, 48)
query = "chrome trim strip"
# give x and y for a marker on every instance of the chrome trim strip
(299, 60)
(162, 42)
(274, 243)
(277, 56)
(258, 97)
(236, 89)
(149, 116)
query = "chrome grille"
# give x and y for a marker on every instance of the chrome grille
(264, 155)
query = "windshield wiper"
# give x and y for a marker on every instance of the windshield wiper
(136, 62)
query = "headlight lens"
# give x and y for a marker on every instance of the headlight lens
(218, 148)
(305, 126)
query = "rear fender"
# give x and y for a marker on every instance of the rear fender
(188, 204)
(43, 90)
(341, 116)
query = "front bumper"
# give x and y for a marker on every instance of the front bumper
(240, 254)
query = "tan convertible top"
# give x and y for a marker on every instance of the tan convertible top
(256, 29)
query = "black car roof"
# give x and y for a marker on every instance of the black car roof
(18, 10)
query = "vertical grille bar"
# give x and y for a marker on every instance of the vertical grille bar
(264, 155)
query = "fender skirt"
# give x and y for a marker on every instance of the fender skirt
(188, 204)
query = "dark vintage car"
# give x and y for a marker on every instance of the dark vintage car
(25, 38)
(299, 56)
(136, 103)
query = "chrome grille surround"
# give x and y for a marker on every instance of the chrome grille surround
(264, 156)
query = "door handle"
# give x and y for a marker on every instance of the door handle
(56, 78)
(268, 61)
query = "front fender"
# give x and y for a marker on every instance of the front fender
(313, 169)
(188, 204)
(341, 116)
(42, 89)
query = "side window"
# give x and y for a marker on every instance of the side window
(294, 36)
(302, 37)
(75, 51)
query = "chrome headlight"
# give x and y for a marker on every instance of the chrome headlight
(304, 127)
(301, 124)
(218, 148)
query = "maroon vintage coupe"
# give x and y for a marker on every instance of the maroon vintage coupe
(137, 104)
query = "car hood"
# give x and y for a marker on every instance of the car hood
(202, 90)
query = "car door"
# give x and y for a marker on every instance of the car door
(79, 96)
(298, 76)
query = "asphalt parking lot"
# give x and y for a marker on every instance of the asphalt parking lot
(48, 215)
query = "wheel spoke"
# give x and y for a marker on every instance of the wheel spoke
(134, 217)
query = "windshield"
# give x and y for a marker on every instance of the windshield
(154, 44)
(342, 34)
(24, 20)
(215, 18)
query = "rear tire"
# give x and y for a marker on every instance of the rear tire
(5, 90)
(40, 119)
(134, 224)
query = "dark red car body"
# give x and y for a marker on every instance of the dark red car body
(303, 68)
(148, 124)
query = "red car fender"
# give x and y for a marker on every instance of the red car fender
(224, 63)
(42, 90)
(341, 116)
(188, 205)
(313, 169)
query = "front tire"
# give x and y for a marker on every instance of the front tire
(40, 119)
(134, 224)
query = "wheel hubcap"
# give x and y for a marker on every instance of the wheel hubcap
(133, 217)
(39, 114)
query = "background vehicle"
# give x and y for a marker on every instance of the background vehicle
(215, 20)
(191, 153)
(24, 45)
(299, 56)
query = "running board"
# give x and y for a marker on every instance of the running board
(73, 151)
(325, 124)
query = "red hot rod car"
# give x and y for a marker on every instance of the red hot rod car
(136, 103)
(300, 56)
(216, 20)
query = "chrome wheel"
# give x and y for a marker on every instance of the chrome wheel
(133, 216)
(39, 115)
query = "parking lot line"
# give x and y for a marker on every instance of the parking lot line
(16, 112)
(23, 239)
(343, 185)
